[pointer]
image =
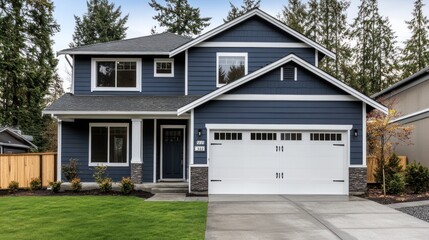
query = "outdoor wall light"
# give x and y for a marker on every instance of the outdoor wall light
(355, 133)
(200, 132)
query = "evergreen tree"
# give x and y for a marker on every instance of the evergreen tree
(415, 55)
(101, 23)
(179, 17)
(312, 25)
(236, 12)
(375, 51)
(294, 15)
(27, 64)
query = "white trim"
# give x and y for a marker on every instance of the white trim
(199, 165)
(162, 127)
(281, 97)
(93, 164)
(155, 143)
(281, 74)
(261, 14)
(131, 113)
(191, 137)
(272, 66)
(278, 127)
(19, 136)
(137, 141)
(230, 54)
(364, 134)
(316, 58)
(59, 146)
(111, 52)
(73, 75)
(295, 76)
(166, 60)
(137, 88)
(411, 115)
(255, 44)
(357, 166)
(186, 72)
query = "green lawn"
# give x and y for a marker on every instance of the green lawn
(100, 217)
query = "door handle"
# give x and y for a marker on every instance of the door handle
(277, 148)
(277, 175)
(282, 175)
(282, 148)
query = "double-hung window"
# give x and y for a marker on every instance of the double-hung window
(163, 67)
(108, 144)
(110, 74)
(230, 67)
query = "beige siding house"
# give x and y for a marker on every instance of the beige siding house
(411, 98)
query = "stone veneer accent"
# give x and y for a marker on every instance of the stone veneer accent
(357, 180)
(137, 172)
(199, 179)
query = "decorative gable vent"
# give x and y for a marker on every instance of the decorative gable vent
(288, 73)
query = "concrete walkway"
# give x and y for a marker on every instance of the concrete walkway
(307, 217)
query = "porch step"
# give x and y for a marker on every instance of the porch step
(166, 185)
(169, 190)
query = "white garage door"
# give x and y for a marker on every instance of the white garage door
(277, 162)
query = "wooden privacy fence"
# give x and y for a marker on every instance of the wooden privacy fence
(23, 167)
(371, 166)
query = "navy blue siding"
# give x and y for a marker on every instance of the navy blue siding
(150, 85)
(254, 29)
(307, 83)
(75, 144)
(281, 112)
(148, 125)
(202, 63)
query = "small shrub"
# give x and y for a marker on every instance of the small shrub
(396, 184)
(105, 185)
(35, 184)
(13, 187)
(127, 185)
(392, 166)
(76, 185)
(100, 174)
(417, 177)
(55, 186)
(71, 169)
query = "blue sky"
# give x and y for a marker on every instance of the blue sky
(140, 16)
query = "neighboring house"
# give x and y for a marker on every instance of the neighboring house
(411, 99)
(12, 141)
(241, 109)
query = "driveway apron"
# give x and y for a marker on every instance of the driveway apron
(307, 217)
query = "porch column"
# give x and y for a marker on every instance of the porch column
(137, 151)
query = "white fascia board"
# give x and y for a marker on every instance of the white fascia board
(279, 127)
(254, 44)
(263, 15)
(415, 114)
(110, 53)
(107, 113)
(271, 67)
(282, 97)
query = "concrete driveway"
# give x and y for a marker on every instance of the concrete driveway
(307, 217)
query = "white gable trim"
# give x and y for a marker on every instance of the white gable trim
(254, 44)
(261, 14)
(284, 97)
(272, 66)
(10, 131)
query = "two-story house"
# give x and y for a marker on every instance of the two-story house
(241, 109)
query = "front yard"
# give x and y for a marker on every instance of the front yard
(100, 217)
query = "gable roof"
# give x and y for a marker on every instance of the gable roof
(272, 66)
(409, 80)
(261, 14)
(18, 136)
(161, 44)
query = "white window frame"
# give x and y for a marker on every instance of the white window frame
(93, 164)
(169, 60)
(230, 54)
(94, 87)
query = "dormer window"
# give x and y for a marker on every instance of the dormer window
(230, 67)
(116, 74)
(163, 67)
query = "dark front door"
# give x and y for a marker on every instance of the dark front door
(172, 153)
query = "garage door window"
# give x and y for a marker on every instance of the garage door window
(263, 136)
(325, 137)
(291, 136)
(227, 136)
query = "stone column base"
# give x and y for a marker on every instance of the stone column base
(357, 180)
(199, 177)
(137, 172)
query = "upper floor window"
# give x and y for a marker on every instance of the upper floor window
(230, 67)
(114, 74)
(163, 67)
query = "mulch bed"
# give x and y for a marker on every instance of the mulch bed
(140, 194)
(376, 195)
